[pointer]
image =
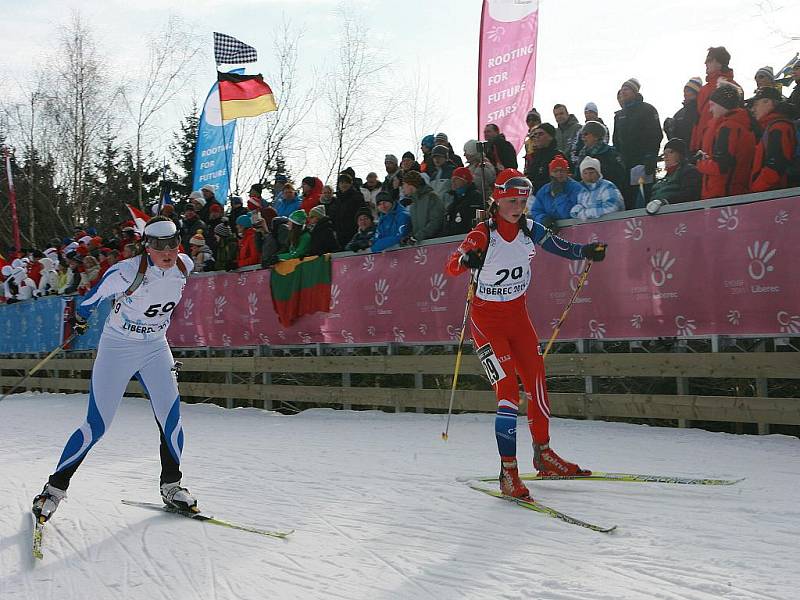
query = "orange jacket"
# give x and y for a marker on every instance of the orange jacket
(248, 252)
(730, 144)
(704, 117)
(774, 153)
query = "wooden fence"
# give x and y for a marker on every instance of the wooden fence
(247, 380)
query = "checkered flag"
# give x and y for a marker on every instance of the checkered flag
(230, 51)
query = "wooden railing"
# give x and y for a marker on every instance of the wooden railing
(247, 380)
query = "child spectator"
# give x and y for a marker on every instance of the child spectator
(598, 196)
(289, 203)
(227, 248)
(248, 251)
(682, 181)
(299, 237)
(427, 209)
(554, 200)
(362, 240)
(312, 190)
(200, 253)
(370, 190)
(346, 204)
(323, 234)
(463, 200)
(775, 151)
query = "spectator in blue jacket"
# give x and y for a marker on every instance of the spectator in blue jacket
(289, 203)
(555, 200)
(597, 196)
(394, 223)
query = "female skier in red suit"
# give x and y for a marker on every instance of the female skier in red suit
(499, 251)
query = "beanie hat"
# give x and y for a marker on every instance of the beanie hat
(595, 128)
(522, 187)
(591, 107)
(195, 195)
(345, 177)
(365, 212)
(428, 141)
(591, 163)
(727, 96)
(678, 145)
(440, 151)
(207, 188)
(384, 197)
(201, 201)
(97, 241)
(441, 138)
(198, 239)
(766, 72)
(463, 173)
(533, 114)
(223, 231)
(390, 158)
(633, 84)
(719, 54)
(413, 178)
(409, 155)
(245, 221)
(215, 207)
(237, 200)
(694, 84)
(298, 217)
(318, 211)
(559, 162)
(551, 131)
(256, 189)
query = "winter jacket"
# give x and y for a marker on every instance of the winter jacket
(483, 177)
(285, 207)
(48, 281)
(539, 172)
(597, 199)
(730, 145)
(637, 134)
(704, 117)
(311, 199)
(461, 206)
(300, 249)
(362, 240)
(226, 254)
(774, 153)
(392, 227)
(342, 211)
(440, 178)
(567, 135)
(427, 214)
(681, 184)
(203, 260)
(611, 164)
(548, 205)
(579, 145)
(248, 250)
(502, 152)
(370, 196)
(323, 238)
(682, 122)
(794, 98)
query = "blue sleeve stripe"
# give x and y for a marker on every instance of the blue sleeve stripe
(93, 296)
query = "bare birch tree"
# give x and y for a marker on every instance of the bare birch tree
(261, 140)
(170, 64)
(422, 111)
(359, 104)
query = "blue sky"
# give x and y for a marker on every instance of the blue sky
(585, 49)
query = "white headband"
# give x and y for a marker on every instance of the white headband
(160, 229)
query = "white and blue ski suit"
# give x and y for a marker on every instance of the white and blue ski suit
(133, 344)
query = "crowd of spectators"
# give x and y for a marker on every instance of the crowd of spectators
(718, 144)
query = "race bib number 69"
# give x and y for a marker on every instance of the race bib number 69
(494, 371)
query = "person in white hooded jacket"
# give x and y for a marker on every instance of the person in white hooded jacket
(48, 282)
(597, 196)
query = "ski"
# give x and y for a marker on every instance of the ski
(38, 532)
(534, 505)
(624, 477)
(199, 516)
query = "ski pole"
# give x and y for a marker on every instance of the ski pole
(470, 294)
(38, 366)
(563, 318)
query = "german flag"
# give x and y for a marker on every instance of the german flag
(244, 96)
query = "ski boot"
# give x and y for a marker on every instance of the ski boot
(46, 503)
(510, 483)
(178, 497)
(550, 464)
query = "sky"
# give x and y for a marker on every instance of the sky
(585, 51)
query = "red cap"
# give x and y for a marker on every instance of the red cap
(463, 173)
(559, 162)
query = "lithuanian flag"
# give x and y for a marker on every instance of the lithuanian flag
(301, 286)
(244, 96)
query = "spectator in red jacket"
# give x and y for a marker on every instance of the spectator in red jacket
(312, 190)
(717, 71)
(728, 146)
(775, 150)
(248, 249)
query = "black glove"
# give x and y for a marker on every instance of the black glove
(472, 259)
(595, 251)
(550, 223)
(80, 325)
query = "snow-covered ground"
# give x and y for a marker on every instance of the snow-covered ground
(378, 513)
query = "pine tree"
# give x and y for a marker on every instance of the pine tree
(183, 152)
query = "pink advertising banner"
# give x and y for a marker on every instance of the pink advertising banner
(507, 66)
(731, 271)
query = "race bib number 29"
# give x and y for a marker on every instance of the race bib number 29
(494, 371)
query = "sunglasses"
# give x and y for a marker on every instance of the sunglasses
(161, 244)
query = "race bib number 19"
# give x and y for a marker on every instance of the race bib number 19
(494, 371)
